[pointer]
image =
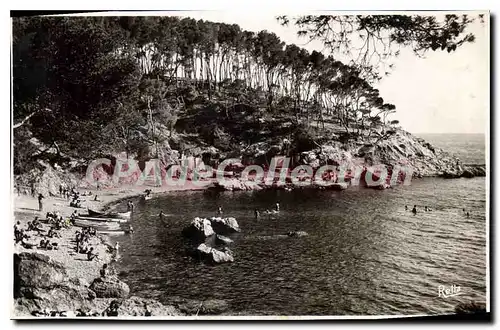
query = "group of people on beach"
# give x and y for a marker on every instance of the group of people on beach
(21, 237)
(82, 240)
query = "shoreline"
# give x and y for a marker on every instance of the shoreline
(76, 266)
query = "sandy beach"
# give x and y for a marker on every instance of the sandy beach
(77, 265)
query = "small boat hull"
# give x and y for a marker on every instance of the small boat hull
(119, 215)
(85, 217)
(112, 232)
(147, 197)
(99, 226)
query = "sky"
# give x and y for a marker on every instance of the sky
(441, 93)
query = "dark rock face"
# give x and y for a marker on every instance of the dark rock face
(225, 226)
(199, 230)
(467, 174)
(42, 288)
(40, 281)
(36, 271)
(110, 287)
(470, 171)
(470, 308)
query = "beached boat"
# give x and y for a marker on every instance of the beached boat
(98, 225)
(112, 232)
(96, 219)
(146, 197)
(119, 215)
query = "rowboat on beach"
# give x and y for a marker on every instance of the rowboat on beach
(98, 225)
(100, 220)
(112, 232)
(119, 215)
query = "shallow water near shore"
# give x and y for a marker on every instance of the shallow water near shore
(364, 254)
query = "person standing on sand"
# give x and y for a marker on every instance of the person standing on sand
(414, 210)
(40, 203)
(130, 206)
(104, 270)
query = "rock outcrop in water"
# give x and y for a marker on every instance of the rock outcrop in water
(211, 232)
(225, 226)
(199, 230)
(212, 255)
(466, 171)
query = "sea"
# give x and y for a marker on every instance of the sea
(365, 253)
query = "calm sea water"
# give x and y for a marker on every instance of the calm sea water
(470, 148)
(364, 254)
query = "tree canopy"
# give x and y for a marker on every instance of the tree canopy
(90, 86)
(372, 39)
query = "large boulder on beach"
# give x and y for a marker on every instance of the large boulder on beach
(41, 283)
(199, 229)
(36, 271)
(109, 287)
(212, 255)
(225, 226)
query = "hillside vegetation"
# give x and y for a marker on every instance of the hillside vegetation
(158, 87)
